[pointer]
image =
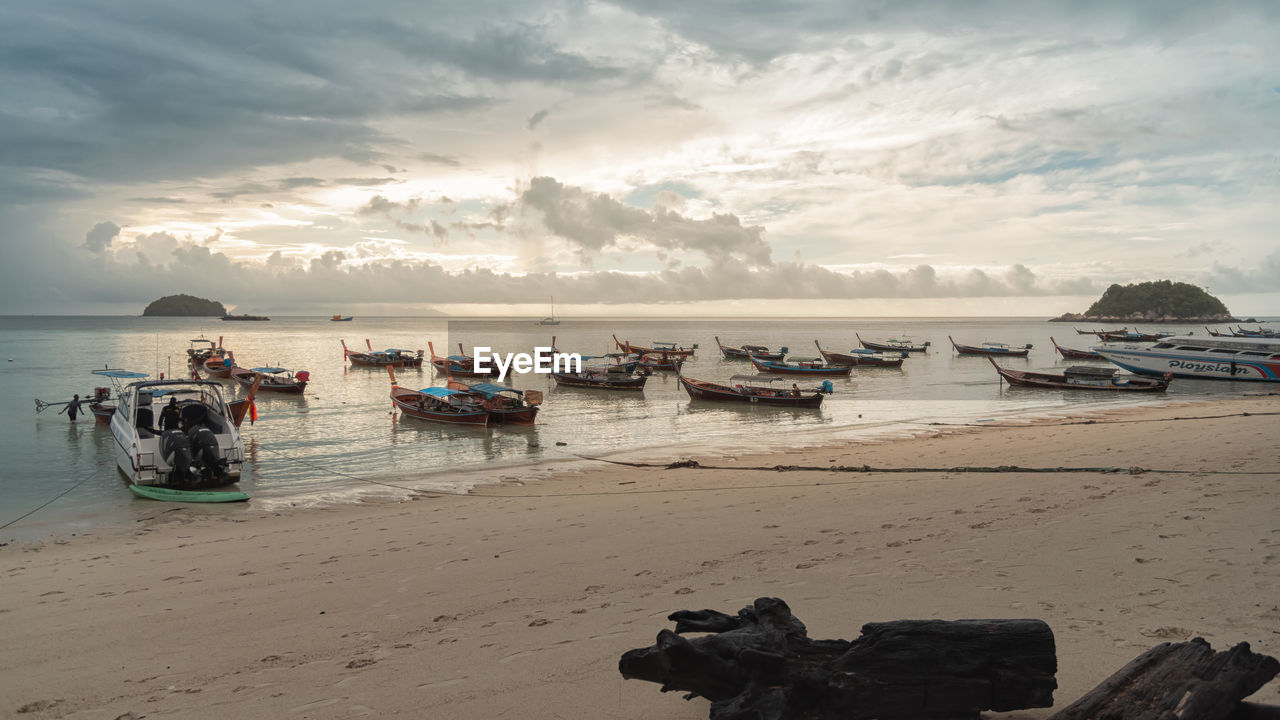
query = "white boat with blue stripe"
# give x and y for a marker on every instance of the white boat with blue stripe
(1212, 358)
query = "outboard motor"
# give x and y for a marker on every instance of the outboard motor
(176, 450)
(208, 457)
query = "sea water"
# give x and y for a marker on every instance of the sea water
(341, 441)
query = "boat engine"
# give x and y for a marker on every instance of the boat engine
(176, 450)
(207, 455)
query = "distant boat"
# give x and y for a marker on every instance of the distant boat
(1074, 354)
(990, 348)
(893, 345)
(339, 318)
(550, 320)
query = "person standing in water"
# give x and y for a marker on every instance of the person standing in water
(73, 408)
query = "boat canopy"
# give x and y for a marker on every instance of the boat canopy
(459, 358)
(757, 379)
(120, 374)
(863, 351)
(438, 392)
(663, 344)
(490, 390)
(269, 370)
(393, 351)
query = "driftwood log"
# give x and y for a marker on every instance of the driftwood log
(761, 665)
(1177, 681)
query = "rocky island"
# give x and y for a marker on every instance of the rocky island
(1160, 301)
(184, 306)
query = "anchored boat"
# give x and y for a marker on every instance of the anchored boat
(1082, 378)
(990, 348)
(757, 390)
(1187, 356)
(176, 433)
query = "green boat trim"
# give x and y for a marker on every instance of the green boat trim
(171, 495)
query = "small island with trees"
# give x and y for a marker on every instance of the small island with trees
(1160, 301)
(184, 306)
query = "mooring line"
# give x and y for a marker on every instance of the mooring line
(55, 499)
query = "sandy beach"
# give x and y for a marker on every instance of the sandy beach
(517, 600)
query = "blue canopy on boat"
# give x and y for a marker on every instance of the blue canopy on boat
(120, 374)
(490, 390)
(438, 392)
(393, 351)
(459, 358)
(269, 370)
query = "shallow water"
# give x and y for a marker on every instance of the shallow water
(327, 445)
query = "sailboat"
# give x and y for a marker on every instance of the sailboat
(550, 320)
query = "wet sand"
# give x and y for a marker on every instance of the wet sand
(517, 600)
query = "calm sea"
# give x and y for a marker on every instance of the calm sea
(330, 444)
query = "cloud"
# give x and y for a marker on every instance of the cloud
(537, 118)
(593, 222)
(100, 236)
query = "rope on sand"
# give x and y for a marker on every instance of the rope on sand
(1092, 422)
(1134, 470)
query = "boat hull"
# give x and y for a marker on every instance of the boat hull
(784, 369)
(269, 384)
(988, 350)
(1049, 381)
(836, 358)
(1200, 366)
(699, 390)
(891, 347)
(580, 380)
(1073, 354)
(364, 360)
(407, 402)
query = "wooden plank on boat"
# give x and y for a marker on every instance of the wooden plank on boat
(200, 496)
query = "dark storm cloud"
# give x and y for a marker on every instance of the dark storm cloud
(760, 32)
(155, 90)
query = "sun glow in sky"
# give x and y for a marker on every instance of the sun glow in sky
(908, 157)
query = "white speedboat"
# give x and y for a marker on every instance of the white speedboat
(1188, 356)
(201, 448)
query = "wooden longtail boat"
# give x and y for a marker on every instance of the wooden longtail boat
(862, 357)
(272, 379)
(437, 404)
(1073, 354)
(1134, 336)
(669, 348)
(893, 345)
(802, 366)
(242, 407)
(220, 365)
(1082, 378)
(340, 318)
(611, 377)
(1094, 332)
(662, 361)
(461, 365)
(1261, 332)
(990, 348)
(506, 406)
(391, 357)
(757, 390)
(745, 352)
(101, 403)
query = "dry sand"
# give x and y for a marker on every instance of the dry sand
(516, 601)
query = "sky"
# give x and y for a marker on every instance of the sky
(807, 158)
